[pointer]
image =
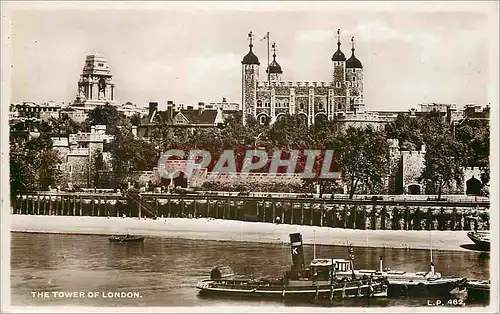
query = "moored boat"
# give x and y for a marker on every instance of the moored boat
(324, 278)
(126, 238)
(413, 284)
(481, 239)
(478, 290)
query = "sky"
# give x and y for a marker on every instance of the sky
(409, 57)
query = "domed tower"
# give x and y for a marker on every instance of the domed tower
(274, 69)
(354, 78)
(338, 82)
(250, 75)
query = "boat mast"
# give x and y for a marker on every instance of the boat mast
(314, 244)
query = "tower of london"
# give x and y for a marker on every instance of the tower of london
(270, 99)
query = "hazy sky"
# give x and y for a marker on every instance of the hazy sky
(191, 56)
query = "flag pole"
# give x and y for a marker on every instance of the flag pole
(268, 74)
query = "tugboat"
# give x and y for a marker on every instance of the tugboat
(126, 238)
(419, 284)
(325, 278)
(481, 239)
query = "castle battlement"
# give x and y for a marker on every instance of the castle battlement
(292, 84)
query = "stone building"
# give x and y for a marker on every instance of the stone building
(96, 86)
(407, 166)
(268, 100)
(77, 152)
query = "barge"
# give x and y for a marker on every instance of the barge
(324, 278)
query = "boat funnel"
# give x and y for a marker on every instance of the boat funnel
(297, 252)
(381, 263)
(433, 270)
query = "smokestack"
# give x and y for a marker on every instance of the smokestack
(297, 252)
(381, 264)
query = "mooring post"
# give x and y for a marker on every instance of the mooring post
(311, 213)
(283, 209)
(302, 213)
(156, 206)
(292, 209)
(81, 205)
(274, 211)
(169, 201)
(208, 207)
(140, 206)
(264, 212)
(322, 212)
(38, 204)
(106, 210)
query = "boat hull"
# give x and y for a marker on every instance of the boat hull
(422, 288)
(334, 291)
(478, 292)
(480, 243)
(118, 239)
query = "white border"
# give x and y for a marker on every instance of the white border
(491, 8)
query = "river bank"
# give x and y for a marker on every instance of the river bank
(232, 230)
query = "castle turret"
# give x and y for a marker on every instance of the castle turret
(250, 75)
(274, 68)
(338, 81)
(354, 80)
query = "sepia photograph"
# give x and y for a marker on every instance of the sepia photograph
(249, 157)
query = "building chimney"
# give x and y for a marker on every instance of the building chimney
(153, 107)
(297, 252)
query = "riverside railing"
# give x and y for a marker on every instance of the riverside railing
(372, 214)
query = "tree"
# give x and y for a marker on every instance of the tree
(33, 164)
(64, 125)
(407, 130)
(130, 154)
(442, 160)
(473, 138)
(107, 115)
(362, 154)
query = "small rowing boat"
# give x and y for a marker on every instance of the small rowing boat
(481, 239)
(125, 238)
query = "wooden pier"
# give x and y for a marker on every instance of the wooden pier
(338, 213)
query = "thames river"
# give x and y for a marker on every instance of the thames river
(88, 270)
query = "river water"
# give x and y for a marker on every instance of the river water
(164, 271)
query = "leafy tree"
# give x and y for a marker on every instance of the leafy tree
(32, 164)
(362, 154)
(107, 115)
(407, 130)
(473, 138)
(442, 162)
(64, 125)
(130, 154)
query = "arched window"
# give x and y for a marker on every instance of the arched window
(301, 106)
(320, 106)
(267, 104)
(259, 103)
(354, 79)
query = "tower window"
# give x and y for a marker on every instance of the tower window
(301, 106)
(353, 78)
(354, 70)
(259, 103)
(268, 104)
(337, 84)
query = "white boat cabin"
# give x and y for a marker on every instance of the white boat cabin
(322, 267)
